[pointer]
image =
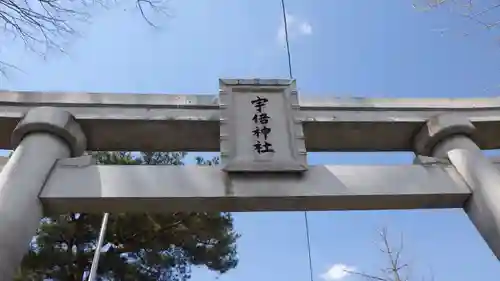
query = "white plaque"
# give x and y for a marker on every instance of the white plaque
(259, 128)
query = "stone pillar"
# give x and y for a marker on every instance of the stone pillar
(42, 137)
(450, 137)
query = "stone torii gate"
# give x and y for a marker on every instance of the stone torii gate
(263, 131)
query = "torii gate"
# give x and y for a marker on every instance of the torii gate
(264, 158)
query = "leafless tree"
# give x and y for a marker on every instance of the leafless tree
(43, 25)
(396, 269)
(484, 16)
(484, 13)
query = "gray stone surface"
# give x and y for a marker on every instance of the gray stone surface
(55, 121)
(113, 188)
(42, 137)
(21, 181)
(483, 179)
(439, 128)
(177, 122)
(285, 135)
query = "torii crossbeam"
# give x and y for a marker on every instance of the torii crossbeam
(264, 155)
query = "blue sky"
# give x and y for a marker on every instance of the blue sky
(339, 48)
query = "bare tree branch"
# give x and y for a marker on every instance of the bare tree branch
(45, 25)
(368, 276)
(467, 8)
(397, 270)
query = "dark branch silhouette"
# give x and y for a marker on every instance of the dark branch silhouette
(44, 25)
(470, 9)
(397, 270)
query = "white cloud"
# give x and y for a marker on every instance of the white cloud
(337, 271)
(296, 27)
(305, 28)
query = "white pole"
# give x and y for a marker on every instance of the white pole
(97, 254)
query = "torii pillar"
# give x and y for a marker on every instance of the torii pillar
(451, 137)
(43, 136)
